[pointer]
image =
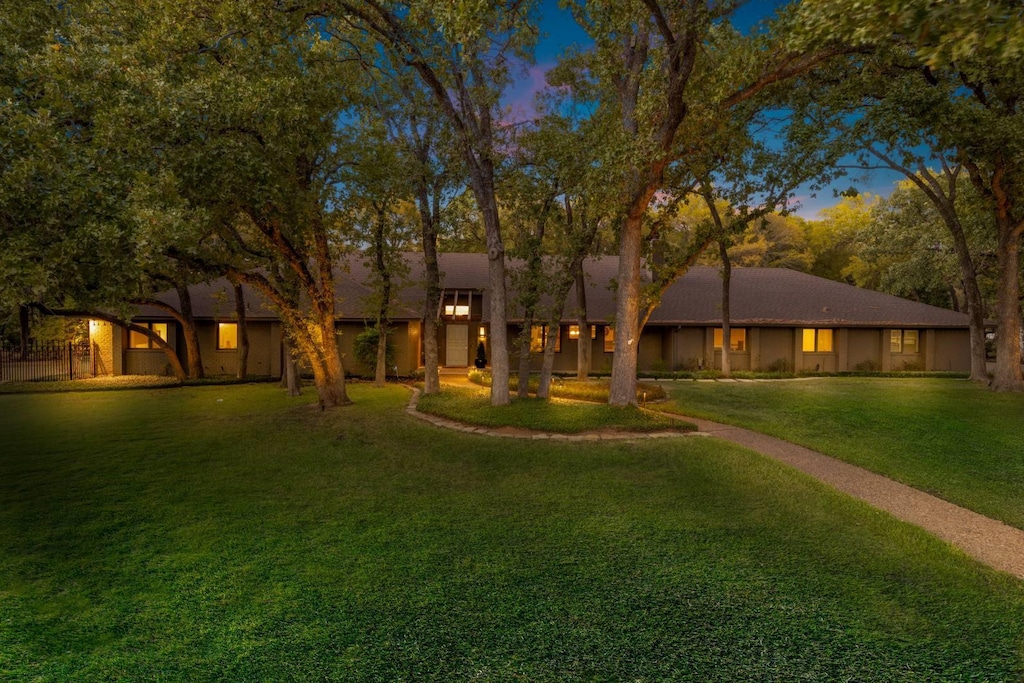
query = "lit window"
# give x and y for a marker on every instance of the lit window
(539, 337)
(903, 341)
(609, 339)
(909, 341)
(461, 304)
(536, 339)
(137, 340)
(737, 338)
(227, 336)
(817, 341)
(574, 331)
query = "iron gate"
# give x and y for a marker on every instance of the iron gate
(45, 362)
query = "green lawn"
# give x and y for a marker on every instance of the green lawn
(473, 405)
(229, 533)
(951, 438)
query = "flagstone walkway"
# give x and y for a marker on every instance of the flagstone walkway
(996, 544)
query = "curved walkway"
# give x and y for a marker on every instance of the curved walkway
(998, 545)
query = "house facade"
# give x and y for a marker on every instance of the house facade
(781, 320)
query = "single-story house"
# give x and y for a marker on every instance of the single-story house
(781, 320)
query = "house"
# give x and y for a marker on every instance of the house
(781, 320)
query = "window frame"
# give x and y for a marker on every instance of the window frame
(719, 338)
(220, 342)
(816, 339)
(574, 337)
(539, 339)
(147, 343)
(609, 339)
(898, 340)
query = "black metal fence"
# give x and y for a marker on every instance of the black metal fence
(45, 362)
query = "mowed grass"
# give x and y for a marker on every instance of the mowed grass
(472, 405)
(229, 533)
(948, 437)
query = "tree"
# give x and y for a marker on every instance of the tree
(905, 250)
(942, 32)
(250, 127)
(654, 66)
(831, 240)
(959, 92)
(461, 54)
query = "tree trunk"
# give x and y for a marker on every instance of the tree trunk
(1007, 375)
(584, 343)
(428, 228)
(972, 297)
(243, 333)
(289, 369)
(548, 363)
(496, 285)
(193, 353)
(380, 265)
(325, 359)
(622, 391)
(380, 375)
(726, 324)
(525, 342)
(24, 329)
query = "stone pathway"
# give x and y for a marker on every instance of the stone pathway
(996, 544)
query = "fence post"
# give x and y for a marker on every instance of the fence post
(71, 361)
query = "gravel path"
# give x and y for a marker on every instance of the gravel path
(996, 544)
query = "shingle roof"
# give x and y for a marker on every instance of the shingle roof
(759, 297)
(779, 296)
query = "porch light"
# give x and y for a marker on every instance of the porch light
(483, 332)
(574, 331)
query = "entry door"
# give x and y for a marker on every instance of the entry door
(456, 345)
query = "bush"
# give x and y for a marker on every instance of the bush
(365, 348)
(589, 390)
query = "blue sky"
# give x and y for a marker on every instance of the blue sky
(560, 31)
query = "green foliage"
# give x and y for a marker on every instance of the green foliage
(272, 541)
(939, 32)
(832, 240)
(365, 348)
(905, 248)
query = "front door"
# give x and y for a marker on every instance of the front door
(456, 346)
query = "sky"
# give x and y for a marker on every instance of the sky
(559, 31)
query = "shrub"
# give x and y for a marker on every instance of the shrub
(365, 348)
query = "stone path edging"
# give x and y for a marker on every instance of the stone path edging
(998, 545)
(534, 435)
